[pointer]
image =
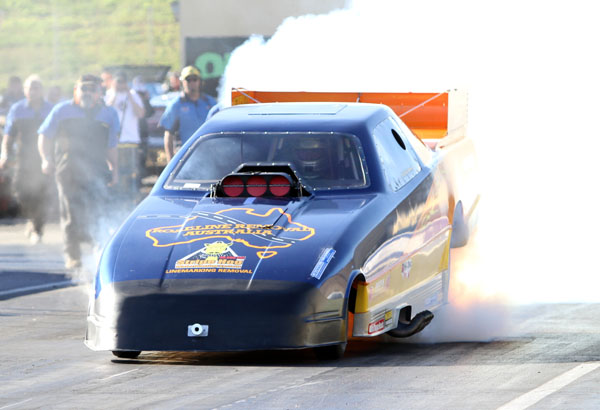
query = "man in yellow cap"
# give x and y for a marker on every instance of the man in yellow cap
(188, 112)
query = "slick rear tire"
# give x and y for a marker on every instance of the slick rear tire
(331, 352)
(460, 229)
(126, 354)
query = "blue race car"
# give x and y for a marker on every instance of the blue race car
(286, 226)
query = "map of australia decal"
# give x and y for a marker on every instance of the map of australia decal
(266, 233)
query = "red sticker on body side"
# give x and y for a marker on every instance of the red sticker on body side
(376, 326)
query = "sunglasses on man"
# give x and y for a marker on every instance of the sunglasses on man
(192, 78)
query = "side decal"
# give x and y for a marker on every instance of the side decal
(212, 255)
(324, 259)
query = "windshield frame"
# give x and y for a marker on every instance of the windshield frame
(207, 185)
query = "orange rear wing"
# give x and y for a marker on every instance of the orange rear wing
(428, 115)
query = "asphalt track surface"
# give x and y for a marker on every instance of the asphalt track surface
(548, 359)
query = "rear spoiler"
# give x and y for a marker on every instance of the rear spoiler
(428, 115)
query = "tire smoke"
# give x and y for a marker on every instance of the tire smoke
(532, 79)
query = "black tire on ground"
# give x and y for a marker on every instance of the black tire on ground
(331, 352)
(126, 354)
(336, 351)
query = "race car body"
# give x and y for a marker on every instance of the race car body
(287, 225)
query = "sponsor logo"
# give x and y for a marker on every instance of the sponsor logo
(213, 255)
(376, 326)
(209, 270)
(322, 263)
(406, 267)
(264, 236)
(378, 287)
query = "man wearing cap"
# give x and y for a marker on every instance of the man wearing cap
(188, 112)
(30, 185)
(78, 143)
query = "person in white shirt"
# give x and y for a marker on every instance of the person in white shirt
(130, 108)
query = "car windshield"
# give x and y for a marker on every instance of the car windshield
(321, 160)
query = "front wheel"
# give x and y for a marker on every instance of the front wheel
(126, 354)
(331, 352)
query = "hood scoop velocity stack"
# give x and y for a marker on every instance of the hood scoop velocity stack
(274, 180)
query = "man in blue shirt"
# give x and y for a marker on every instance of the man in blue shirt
(30, 184)
(82, 133)
(188, 112)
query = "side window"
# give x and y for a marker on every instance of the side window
(397, 158)
(423, 151)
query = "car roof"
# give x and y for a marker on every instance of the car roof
(326, 117)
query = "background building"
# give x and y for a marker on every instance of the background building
(211, 30)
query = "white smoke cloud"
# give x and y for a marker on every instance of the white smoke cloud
(533, 81)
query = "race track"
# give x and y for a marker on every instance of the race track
(550, 359)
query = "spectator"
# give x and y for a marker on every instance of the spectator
(173, 82)
(12, 94)
(107, 80)
(83, 132)
(30, 184)
(130, 109)
(188, 112)
(141, 90)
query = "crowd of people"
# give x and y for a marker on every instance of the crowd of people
(88, 148)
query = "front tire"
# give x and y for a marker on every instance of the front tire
(331, 352)
(336, 352)
(126, 354)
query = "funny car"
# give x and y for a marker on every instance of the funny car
(289, 225)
